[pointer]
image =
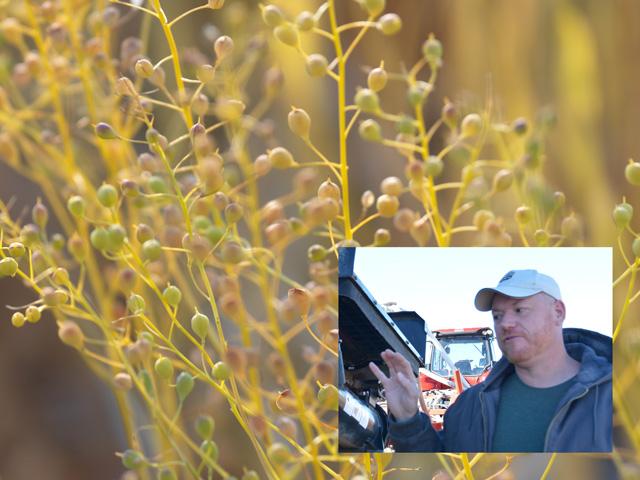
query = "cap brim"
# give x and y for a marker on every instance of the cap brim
(484, 298)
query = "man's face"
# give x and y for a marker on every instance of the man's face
(527, 327)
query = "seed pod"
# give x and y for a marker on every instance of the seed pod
(8, 267)
(144, 68)
(18, 319)
(387, 205)
(205, 426)
(123, 381)
(136, 304)
(316, 65)
(328, 397)
(278, 453)
(232, 252)
(40, 215)
(200, 324)
(622, 215)
(281, 158)
(223, 47)
(420, 231)
(328, 189)
(301, 299)
(433, 166)
(272, 15)
(432, 50)
(541, 237)
(523, 215)
(471, 125)
(167, 473)
(299, 122)
(381, 237)
(16, 249)
(370, 130)
(392, 186)
(389, 24)
(502, 180)
(233, 213)
(519, 126)
(221, 371)
(367, 100)
(151, 250)
(133, 459)
(53, 298)
(70, 334)
(481, 217)
(403, 219)
(33, 314)
(570, 228)
(215, 4)
(209, 450)
(105, 131)
(115, 237)
(107, 195)
(305, 21)
(184, 385)
(76, 206)
(377, 79)
(632, 173)
(172, 295)
(164, 368)
(287, 34)
(635, 247)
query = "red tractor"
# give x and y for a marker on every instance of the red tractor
(460, 357)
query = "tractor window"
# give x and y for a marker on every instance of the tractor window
(468, 353)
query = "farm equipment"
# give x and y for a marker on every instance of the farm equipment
(446, 361)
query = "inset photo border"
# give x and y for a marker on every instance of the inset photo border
(475, 349)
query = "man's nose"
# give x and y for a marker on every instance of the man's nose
(508, 320)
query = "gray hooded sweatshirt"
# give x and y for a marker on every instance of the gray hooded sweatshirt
(582, 421)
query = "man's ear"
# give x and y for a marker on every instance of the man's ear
(559, 310)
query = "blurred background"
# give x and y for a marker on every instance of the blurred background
(575, 58)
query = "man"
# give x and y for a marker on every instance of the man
(551, 390)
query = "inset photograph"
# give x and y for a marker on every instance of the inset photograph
(475, 350)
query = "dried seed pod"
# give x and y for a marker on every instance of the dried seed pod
(301, 299)
(316, 65)
(389, 24)
(387, 205)
(403, 219)
(392, 186)
(281, 158)
(70, 334)
(471, 125)
(420, 231)
(377, 79)
(223, 46)
(299, 122)
(123, 381)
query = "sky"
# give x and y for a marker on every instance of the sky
(441, 283)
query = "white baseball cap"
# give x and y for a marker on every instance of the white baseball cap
(518, 284)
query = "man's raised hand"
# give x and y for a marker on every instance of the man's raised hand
(401, 388)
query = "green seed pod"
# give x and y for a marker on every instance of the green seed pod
(272, 15)
(370, 130)
(316, 65)
(281, 158)
(471, 125)
(632, 173)
(53, 298)
(221, 371)
(214, 234)
(76, 206)
(287, 34)
(115, 237)
(635, 247)
(317, 253)
(406, 125)
(206, 73)
(210, 450)
(502, 180)
(299, 122)
(30, 234)
(151, 250)
(432, 50)
(132, 459)
(389, 24)
(33, 314)
(622, 215)
(205, 426)
(40, 215)
(136, 304)
(233, 213)
(418, 92)
(367, 100)
(305, 21)
(523, 215)
(382, 237)
(8, 267)
(278, 453)
(184, 385)
(172, 295)
(18, 319)
(541, 237)
(107, 195)
(167, 473)
(433, 166)
(200, 325)
(373, 7)
(105, 131)
(16, 249)
(157, 184)
(147, 381)
(387, 205)
(57, 241)
(70, 334)
(163, 368)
